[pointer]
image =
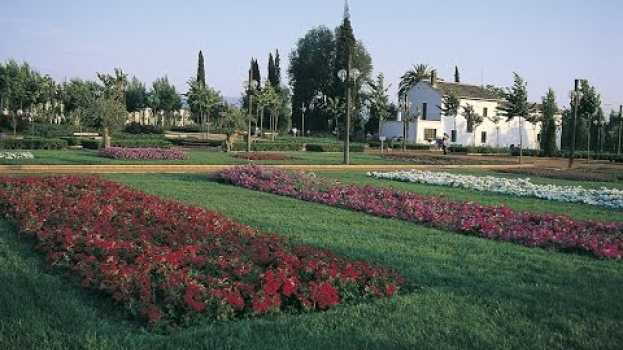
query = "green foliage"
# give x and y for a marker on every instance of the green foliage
(163, 98)
(473, 119)
(201, 72)
(47, 130)
(450, 105)
(334, 147)
(379, 104)
(33, 143)
(548, 124)
(412, 77)
(106, 113)
(478, 149)
(268, 146)
(136, 128)
(91, 144)
(516, 102)
(136, 96)
(141, 143)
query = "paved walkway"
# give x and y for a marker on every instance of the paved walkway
(179, 169)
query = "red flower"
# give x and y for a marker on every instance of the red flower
(190, 297)
(324, 295)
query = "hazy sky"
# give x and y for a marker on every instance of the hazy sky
(549, 42)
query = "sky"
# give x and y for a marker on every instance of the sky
(548, 42)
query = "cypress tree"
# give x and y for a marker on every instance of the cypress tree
(345, 45)
(548, 124)
(277, 70)
(271, 70)
(457, 76)
(201, 73)
(255, 72)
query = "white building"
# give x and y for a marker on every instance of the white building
(429, 124)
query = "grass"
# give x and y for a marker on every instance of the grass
(84, 157)
(473, 293)
(575, 210)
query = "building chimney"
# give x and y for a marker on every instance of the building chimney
(433, 78)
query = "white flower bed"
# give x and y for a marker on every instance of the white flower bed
(606, 197)
(16, 155)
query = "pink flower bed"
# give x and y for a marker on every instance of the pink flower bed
(501, 223)
(142, 153)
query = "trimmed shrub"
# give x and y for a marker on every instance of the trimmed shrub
(141, 143)
(334, 147)
(91, 144)
(136, 128)
(72, 141)
(33, 143)
(268, 147)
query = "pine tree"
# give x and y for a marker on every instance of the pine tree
(457, 76)
(548, 124)
(201, 73)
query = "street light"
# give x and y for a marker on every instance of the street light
(253, 84)
(348, 76)
(576, 95)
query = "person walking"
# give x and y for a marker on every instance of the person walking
(444, 144)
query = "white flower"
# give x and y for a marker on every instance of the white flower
(606, 197)
(16, 155)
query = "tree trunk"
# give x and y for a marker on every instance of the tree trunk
(106, 138)
(520, 141)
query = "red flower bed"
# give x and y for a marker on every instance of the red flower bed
(168, 263)
(530, 229)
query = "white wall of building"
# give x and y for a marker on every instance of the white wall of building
(502, 134)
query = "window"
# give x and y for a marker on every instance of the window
(424, 110)
(485, 112)
(430, 134)
(483, 137)
(453, 137)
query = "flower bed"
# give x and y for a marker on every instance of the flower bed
(605, 197)
(170, 263)
(16, 155)
(534, 230)
(263, 156)
(142, 153)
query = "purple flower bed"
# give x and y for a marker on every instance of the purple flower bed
(142, 153)
(500, 223)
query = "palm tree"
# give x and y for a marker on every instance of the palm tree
(473, 119)
(412, 77)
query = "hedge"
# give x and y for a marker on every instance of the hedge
(136, 128)
(91, 144)
(141, 143)
(477, 149)
(72, 141)
(191, 142)
(33, 143)
(334, 147)
(268, 146)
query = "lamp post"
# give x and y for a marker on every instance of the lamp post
(252, 86)
(303, 110)
(576, 95)
(348, 76)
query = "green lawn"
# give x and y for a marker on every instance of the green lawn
(80, 157)
(472, 293)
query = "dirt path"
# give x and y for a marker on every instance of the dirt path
(180, 169)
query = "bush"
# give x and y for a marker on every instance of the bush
(192, 142)
(141, 143)
(136, 128)
(478, 149)
(334, 147)
(72, 141)
(33, 143)
(46, 130)
(268, 147)
(142, 153)
(187, 128)
(91, 144)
